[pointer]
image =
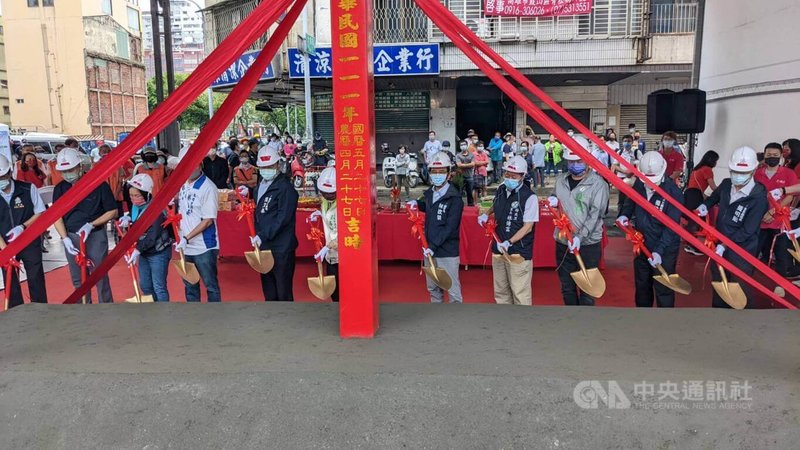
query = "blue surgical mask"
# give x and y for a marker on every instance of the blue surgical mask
(627, 145)
(4, 184)
(577, 169)
(268, 174)
(438, 179)
(511, 184)
(740, 179)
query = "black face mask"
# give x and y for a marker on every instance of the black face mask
(150, 158)
(772, 162)
(329, 196)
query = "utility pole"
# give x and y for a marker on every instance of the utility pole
(173, 141)
(307, 78)
(159, 79)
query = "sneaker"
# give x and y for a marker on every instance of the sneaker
(692, 251)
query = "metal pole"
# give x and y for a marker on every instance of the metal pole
(210, 103)
(173, 134)
(695, 82)
(307, 79)
(159, 76)
(295, 121)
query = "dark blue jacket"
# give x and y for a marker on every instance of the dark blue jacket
(443, 221)
(275, 216)
(657, 237)
(509, 212)
(740, 221)
(18, 211)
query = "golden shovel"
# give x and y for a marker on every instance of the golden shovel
(796, 252)
(187, 270)
(138, 297)
(322, 286)
(513, 259)
(438, 275)
(731, 292)
(261, 261)
(590, 281)
(672, 281)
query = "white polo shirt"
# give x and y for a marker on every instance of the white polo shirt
(197, 201)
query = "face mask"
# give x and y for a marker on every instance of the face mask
(668, 143)
(71, 177)
(329, 196)
(523, 149)
(138, 201)
(162, 160)
(245, 160)
(474, 141)
(150, 158)
(438, 179)
(4, 184)
(740, 179)
(511, 184)
(631, 130)
(32, 163)
(570, 133)
(268, 174)
(577, 169)
(463, 147)
(431, 138)
(627, 145)
(772, 162)
(481, 148)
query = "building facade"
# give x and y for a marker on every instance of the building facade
(5, 104)
(77, 66)
(187, 37)
(599, 66)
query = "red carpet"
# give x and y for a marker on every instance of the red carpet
(402, 282)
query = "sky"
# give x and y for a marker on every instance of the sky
(145, 4)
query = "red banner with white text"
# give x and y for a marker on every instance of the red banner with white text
(537, 8)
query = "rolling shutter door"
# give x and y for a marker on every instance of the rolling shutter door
(323, 122)
(393, 121)
(638, 114)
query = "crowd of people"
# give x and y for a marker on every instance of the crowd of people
(261, 171)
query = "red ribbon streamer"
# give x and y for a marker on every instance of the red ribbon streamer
(210, 133)
(465, 40)
(11, 265)
(781, 213)
(316, 236)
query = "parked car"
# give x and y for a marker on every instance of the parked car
(47, 141)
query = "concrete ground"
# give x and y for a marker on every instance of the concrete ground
(255, 375)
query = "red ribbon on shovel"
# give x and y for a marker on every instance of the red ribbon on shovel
(11, 265)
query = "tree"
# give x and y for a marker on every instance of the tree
(196, 115)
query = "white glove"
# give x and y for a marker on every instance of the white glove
(85, 230)
(243, 191)
(255, 241)
(69, 247)
(180, 246)
(412, 204)
(321, 254)
(702, 211)
(575, 245)
(427, 252)
(503, 246)
(776, 194)
(623, 220)
(793, 233)
(655, 260)
(133, 258)
(720, 249)
(482, 219)
(314, 217)
(553, 200)
(14, 233)
(125, 221)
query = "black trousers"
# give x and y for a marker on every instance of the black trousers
(333, 269)
(692, 198)
(31, 257)
(277, 284)
(785, 265)
(765, 237)
(648, 289)
(468, 186)
(567, 264)
(716, 300)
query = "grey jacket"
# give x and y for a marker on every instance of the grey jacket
(585, 206)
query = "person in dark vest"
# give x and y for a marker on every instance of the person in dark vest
(662, 242)
(276, 204)
(442, 205)
(742, 205)
(516, 210)
(20, 207)
(87, 220)
(583, 195)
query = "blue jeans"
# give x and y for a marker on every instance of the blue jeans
(153, 274)
(497, 172)
(538, 176)
(206, 264)
(549, 167)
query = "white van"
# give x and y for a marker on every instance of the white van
(47, 141)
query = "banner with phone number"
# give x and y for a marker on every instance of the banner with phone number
(537, 8)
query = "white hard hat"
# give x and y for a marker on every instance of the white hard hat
(267, 156)
(5, 166)
(516, 164)
(569, 155)
(67, 159)
(653, 166)
(327, 180)
(743, 159)
(439, 161)
(142, 182)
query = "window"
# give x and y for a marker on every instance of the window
(3, 84)
(6, 110)
(105, 5)
(47, 2)
(33, 3)
(133, 19)
(20, 101)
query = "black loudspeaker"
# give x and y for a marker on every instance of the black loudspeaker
(689, 111)
(659, 111)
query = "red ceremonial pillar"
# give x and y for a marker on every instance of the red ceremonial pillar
(354, 124)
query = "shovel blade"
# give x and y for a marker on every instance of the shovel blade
(261, 261)
(144, 299)
(675, 282)
(439, 277)
(322, 288)
(795, 255)
(591, 283)
(187, 271)
(731, 293)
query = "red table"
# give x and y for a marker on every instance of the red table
(395, 241)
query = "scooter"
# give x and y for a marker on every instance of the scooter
(413, 171)
(388, 167)
(299, 166)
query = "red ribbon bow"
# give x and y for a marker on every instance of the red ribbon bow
(636, 237)
(710, 239)
(82, 260)
(246, 207)
(565, 228)
(418, 223)
(316, 236)
(491, 227)
(12, 264)
(173, 218)
(781, 213)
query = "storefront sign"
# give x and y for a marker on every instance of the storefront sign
(354, 125)
(236, 71)
(537, 8)
(388, 60)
